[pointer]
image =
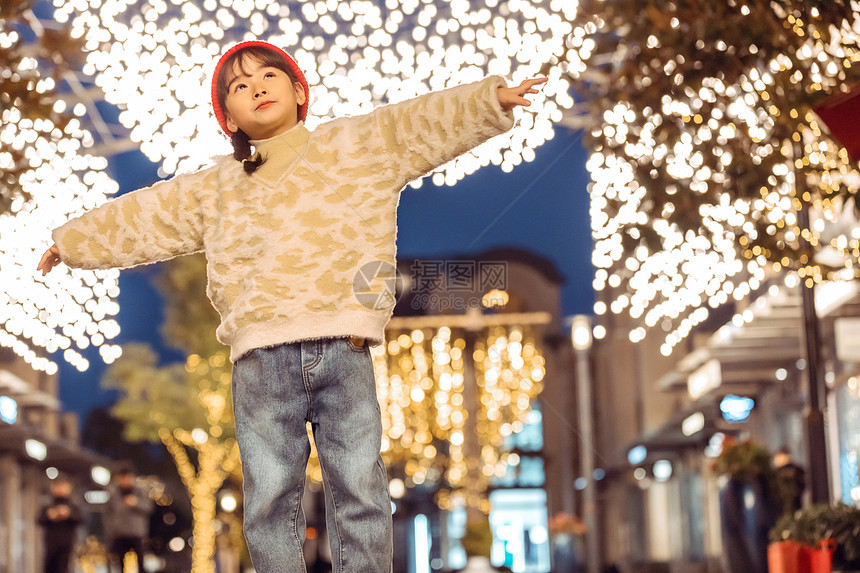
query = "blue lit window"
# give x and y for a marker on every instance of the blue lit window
(530, 438)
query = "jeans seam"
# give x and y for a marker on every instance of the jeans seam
(307, 383)
(296, 526)
(334, 503)
(318, 358)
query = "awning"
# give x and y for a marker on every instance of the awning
(766, 336)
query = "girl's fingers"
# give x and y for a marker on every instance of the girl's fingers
(527, 86)
(50, 259)
(534, 81)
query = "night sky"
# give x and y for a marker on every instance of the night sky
(543, 207)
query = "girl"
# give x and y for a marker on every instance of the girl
(290, 226)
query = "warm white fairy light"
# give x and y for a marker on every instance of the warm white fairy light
(68, 310)
(674, 286)
(421, 389)
(154, 59)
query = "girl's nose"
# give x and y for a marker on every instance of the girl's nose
(259, 92)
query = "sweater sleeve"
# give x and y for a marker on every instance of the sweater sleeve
(145, 226)
(430, 130)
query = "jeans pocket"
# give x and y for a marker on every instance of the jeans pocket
(356, 343)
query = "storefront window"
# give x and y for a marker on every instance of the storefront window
(518, 521)
(848, 406)
(526, 468)
(531, 437)
(518, 515)
(456, 531)
(520, 538)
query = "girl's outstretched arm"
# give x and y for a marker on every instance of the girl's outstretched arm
(145, 226)
(420, 134)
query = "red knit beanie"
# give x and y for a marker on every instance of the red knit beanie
(219, 113)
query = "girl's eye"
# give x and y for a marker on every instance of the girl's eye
(240, 86)
(270, 74)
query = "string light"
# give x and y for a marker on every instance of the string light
(421, 389)
(711, 241)
(217, 453)
(68, 310)
(154, 59)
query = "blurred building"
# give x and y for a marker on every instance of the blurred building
(37, 441)
(661, 420)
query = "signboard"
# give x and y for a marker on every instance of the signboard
(693, 424)
(841, 113)
(847, 331)
(707, 377)
(8, 410)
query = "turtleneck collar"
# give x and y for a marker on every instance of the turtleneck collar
(296, 135)
(281, 151)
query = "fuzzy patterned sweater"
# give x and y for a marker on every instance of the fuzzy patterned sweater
(292, 250)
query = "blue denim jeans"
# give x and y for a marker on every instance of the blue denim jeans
(330, 383)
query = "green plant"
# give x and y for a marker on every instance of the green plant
(816, 523)
(744, 461)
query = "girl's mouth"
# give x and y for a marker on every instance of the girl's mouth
(264, 105)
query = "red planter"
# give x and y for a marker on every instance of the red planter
(821, 558)
(793, 557)
(787, 557)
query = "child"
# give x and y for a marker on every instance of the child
(287, 224)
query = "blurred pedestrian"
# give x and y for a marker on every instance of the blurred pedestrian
(320, 559)
(127, 517)
(790, 481)
(226, 556)
(59, 520)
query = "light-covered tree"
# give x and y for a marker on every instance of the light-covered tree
(187, 407)
(706, 154)
(29, 74)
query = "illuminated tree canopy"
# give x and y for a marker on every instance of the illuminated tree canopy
(184, 406)
(154, 58)
(46, 176)
(29, 72)
(701, 121)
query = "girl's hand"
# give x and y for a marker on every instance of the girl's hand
(50, 259)
(509, 98)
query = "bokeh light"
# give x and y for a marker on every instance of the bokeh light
(154, 59)
(67, 311)
(421, 389)
(678, 229)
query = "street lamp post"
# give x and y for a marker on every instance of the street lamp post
(581, 339)
(839, 113)
(815, 428)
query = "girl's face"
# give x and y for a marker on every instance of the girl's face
(261, 100)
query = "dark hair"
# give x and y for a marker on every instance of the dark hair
(240, 140)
